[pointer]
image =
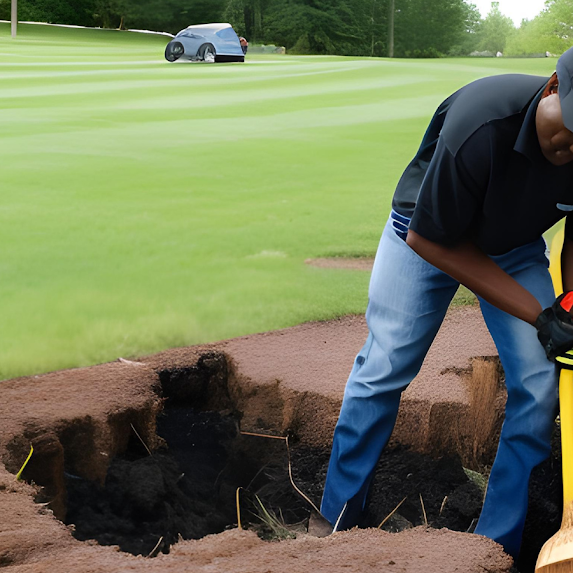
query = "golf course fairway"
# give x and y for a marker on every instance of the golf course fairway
(147, 205)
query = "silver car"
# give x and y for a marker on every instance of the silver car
(206, 42)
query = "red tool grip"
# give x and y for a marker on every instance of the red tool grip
(567, 301)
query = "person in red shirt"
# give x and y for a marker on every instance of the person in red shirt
(244, 44)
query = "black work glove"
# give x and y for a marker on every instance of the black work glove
(555, 326)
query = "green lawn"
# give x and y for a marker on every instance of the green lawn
(146, 205)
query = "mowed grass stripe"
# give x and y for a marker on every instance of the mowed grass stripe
(105, 139)
(102, 82)
(147, 205)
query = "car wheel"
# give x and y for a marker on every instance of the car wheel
(207, 52)
(174, 51)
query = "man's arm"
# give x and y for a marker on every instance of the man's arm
(473, 268)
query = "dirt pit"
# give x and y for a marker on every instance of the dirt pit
(148, 456)
(187, 489)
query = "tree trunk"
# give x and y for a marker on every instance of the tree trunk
(247, 16)
(258, 20)
(14, 18)
(253, 14)
(391, 11)
(372, 29)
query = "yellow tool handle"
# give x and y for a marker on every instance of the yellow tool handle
(566, 417)
(555, 261)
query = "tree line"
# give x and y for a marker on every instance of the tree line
(421, 28)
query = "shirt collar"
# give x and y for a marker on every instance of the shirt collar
(527, 143)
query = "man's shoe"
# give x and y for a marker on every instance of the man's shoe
(318, 525)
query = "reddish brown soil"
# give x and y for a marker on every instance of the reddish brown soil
(351, 264)
(284, 382)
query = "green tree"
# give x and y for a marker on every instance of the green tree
(318, 26)
(556, 24)
(247, 17)
(529, 39)
(234, 13)
(75, 12)
(550, 31)
(429, 28)
(495, 30)
(377, 26)
(110, 13)
(469, 38)
(173, 15)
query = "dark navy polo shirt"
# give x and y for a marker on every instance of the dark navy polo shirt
(479, 173)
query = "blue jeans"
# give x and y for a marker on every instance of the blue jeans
(408, 299)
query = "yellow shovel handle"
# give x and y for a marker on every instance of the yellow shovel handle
(566, 417)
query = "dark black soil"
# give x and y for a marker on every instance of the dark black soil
(189, 489)
(147, 498)
(437, 492)
(401, 474)
(405, 474)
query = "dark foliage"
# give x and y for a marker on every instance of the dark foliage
(423, 28)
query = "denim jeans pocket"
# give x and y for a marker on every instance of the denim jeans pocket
(364, 352)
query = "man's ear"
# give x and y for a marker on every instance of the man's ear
(551, 87)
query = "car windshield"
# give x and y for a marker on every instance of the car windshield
(187, 34)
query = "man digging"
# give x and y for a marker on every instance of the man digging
(494, 171)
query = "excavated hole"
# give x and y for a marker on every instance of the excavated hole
(187, 487)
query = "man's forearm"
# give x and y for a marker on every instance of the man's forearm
(474, 269)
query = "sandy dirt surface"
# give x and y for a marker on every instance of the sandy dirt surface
(284, 382)
(351, 264)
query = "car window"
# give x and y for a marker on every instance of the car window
(227, 34)
(187, 34)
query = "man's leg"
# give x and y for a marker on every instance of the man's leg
(408, 299)
(531, 408)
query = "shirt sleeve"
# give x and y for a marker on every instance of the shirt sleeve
(453, 190)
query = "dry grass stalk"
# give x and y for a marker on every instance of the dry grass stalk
(140, 439)
(19, 474)
(482, 414)
(130, 362)
(263, 436)
(392, 513)
(239, 525)
(443, 505)
(305, 497)
(152, 552)
(276, 525)
(285, 438)
(424, 511)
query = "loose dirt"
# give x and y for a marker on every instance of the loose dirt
(345, 263)
(148, 456)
